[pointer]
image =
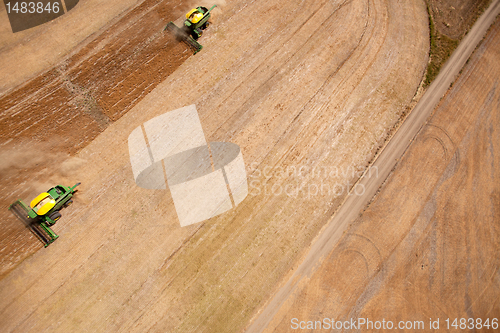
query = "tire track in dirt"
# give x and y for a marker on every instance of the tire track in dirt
(275, 53)
(263, 87)
(319, 92)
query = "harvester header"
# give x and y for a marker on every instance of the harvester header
(44, 211)
(197, 20)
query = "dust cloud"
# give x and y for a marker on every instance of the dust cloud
(45, 167)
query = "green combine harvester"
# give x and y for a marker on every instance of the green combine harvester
(196, 21)
(44, 211)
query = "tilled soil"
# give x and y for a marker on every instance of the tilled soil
(58, 113)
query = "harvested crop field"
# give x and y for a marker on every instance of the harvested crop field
(309, 94)
(427, 246)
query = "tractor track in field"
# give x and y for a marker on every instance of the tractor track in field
(320, 89)
(260, 92)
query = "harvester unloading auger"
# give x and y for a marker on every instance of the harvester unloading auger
(192, 29)
(44, 211)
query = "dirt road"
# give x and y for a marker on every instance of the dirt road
(309, 95)
(307, 289)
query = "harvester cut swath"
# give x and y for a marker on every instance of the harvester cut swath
(183, 36)
(33, 225)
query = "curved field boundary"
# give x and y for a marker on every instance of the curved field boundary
(385, 163)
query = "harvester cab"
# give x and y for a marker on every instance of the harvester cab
(44, 211)
(197, 20)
